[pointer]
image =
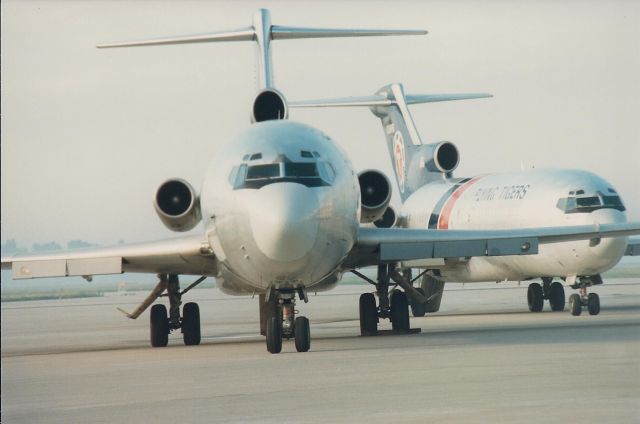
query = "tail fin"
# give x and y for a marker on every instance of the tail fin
(415, 164)
(263, 32)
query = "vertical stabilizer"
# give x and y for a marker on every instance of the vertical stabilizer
(415, 164)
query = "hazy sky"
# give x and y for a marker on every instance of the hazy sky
(88, 135)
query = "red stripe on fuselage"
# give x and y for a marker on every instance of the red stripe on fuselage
(443, 221)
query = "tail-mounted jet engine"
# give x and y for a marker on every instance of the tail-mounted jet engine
(269, 105)
(177, 205)
(375, 194)
(438, 157)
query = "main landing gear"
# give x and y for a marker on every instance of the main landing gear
(278, 320)
(590, 300)
(393, 304)
(553, 291)
(162, 324)
(550, 290)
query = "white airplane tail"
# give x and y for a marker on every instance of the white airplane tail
(415, 164)
(269, 103)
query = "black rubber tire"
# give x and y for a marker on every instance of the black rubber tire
(418, 309)
(368, 315)
(191, 324)
(593, 304)
(274, 335)
(575, 305)
(556, 296)
(302, 334)
(159, 326)
(535, 297)
(399, 311)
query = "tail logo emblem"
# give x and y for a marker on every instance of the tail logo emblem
(398, 154)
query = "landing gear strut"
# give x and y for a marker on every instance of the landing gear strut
(161, 324)
(277, 317)
(590, 300)
(393, 304)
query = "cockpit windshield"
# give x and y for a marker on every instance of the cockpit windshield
(258, 172)
(579, 202)
(315, 173)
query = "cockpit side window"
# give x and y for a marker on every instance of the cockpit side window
(578, 202)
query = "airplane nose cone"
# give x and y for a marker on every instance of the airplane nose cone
(284, 222)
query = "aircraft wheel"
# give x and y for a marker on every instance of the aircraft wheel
(535, 297)
(191, 324)
(593, 304)
(575, 304)
(418, 309)
(302, 334)
(159, 326)
(274, 335)
(368, 315)
(556, 296)
(399, 311)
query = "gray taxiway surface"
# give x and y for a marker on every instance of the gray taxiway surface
(483, 358)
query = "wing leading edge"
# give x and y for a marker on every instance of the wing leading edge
(186, 255)
(383, 245)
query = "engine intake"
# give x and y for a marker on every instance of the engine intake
(445, 157)
(177, 205)
(387, 220)
(269, 105)
(375, 194)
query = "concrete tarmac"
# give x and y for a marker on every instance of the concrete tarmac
(482, 358)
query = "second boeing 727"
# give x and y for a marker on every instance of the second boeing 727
(281, 208)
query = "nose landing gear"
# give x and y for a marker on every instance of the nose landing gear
(277, 317)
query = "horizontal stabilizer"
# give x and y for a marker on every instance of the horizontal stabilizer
(262, 32)
(377, 100)
(243, 34)
(289, 33)
(413, 99)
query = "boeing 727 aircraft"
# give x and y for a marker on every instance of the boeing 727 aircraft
(281, 207)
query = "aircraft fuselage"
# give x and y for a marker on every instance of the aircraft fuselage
(526, 199)
(281, 209)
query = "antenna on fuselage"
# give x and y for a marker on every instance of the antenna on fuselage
(269, 103)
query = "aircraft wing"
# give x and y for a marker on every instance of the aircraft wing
(633, 247)
(186, 255)
(383, 245)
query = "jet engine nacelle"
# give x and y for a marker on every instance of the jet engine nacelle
(269, 105)
(177, 205)
(387, 220)
(440, 157)
(375, 195)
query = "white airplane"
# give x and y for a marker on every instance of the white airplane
(432, 198)
(281, 208)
